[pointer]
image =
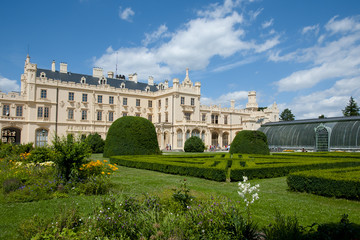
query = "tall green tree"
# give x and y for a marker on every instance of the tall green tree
(351, 109)
(287, 115)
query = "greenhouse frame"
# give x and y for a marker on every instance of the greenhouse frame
(323, 134)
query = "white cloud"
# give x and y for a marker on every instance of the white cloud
(313, 28)
(160, 32)
(331, 60)
(329, 102)
(126, 14)
(224, 100)
(254, 15)
(348, 24)
(216, 31)
(268, 23)
(7, 85)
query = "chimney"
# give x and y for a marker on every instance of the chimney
(63, 67)
(232, 104)
(97, 72)
(166, 84)
(53, 66)
(151, 81)
(133, 77)
(110, 74)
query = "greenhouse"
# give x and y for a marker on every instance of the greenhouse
(326, 134)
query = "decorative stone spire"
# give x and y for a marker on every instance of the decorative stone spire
(187, 79)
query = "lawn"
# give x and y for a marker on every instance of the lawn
(273, 194)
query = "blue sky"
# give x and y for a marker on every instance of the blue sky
(305, 55)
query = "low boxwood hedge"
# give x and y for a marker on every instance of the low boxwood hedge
(339, 182)
(195, 167)
(270, 168)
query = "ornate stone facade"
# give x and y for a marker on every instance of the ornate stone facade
(60, 102)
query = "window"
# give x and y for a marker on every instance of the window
(150, 104)
(179, 138)
(111, 116)
(83, 80)
(41, 137)
(124, 114)
(187, 116)
(182, 101)
(71, 114)
(99, 115)
(84, 97)
(84, 115)
(46, 112)
(40, 112)
(226, 120)
(6, 110)
(71, 96)
(187, 134)
(19, 111)
(192, 101)
(43, 93)
(150, 117)
(166, 117)
(214, 119)
(159, 103)
(111, 100)
(203, 136)
(138, 102)
(203, 117)
(166, 101)
(159, 117)
(137, 115)
(124, 101)
(99, 98)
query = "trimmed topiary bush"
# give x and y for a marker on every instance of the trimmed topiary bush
(131, 136)
(95, 142)
(194, 144)
(250, 142)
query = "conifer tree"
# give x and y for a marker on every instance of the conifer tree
(351, 109)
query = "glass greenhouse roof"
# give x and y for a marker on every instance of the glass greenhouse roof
(344, 133)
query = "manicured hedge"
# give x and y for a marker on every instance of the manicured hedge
(194, 144)
(341, 183)
(195, 167)
(268, 167)
(131, 136)
(250, 142)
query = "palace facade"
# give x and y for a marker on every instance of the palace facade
(61, 102)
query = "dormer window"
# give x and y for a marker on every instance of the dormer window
(147, 89)
(42, 75)
(83, 80)
(102, 81)
(122, 85)
(161, 86)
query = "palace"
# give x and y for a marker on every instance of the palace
(60, 102)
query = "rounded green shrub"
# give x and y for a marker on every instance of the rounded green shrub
(250, 142)
(194, 144)
(95, 142)
(131, 136)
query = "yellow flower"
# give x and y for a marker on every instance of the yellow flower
(105, 161)
(102, 173)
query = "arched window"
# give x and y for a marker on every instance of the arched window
(83, 80)
(187, 134)
(179, 138)
(147, 89)
(225, 139)
(214, 139)
(203, 136)
(102, 81)
(322, 138)
(42, 75)
(195, 133)
(122, 85)
(41, 137)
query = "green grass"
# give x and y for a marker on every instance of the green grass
(273, 194)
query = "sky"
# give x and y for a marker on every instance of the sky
(302, 54)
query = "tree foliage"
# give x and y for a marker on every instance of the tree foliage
(351, 109)
(131, 136)
(287, 115)
(95, 142)
(194, 144)
(250, 142)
